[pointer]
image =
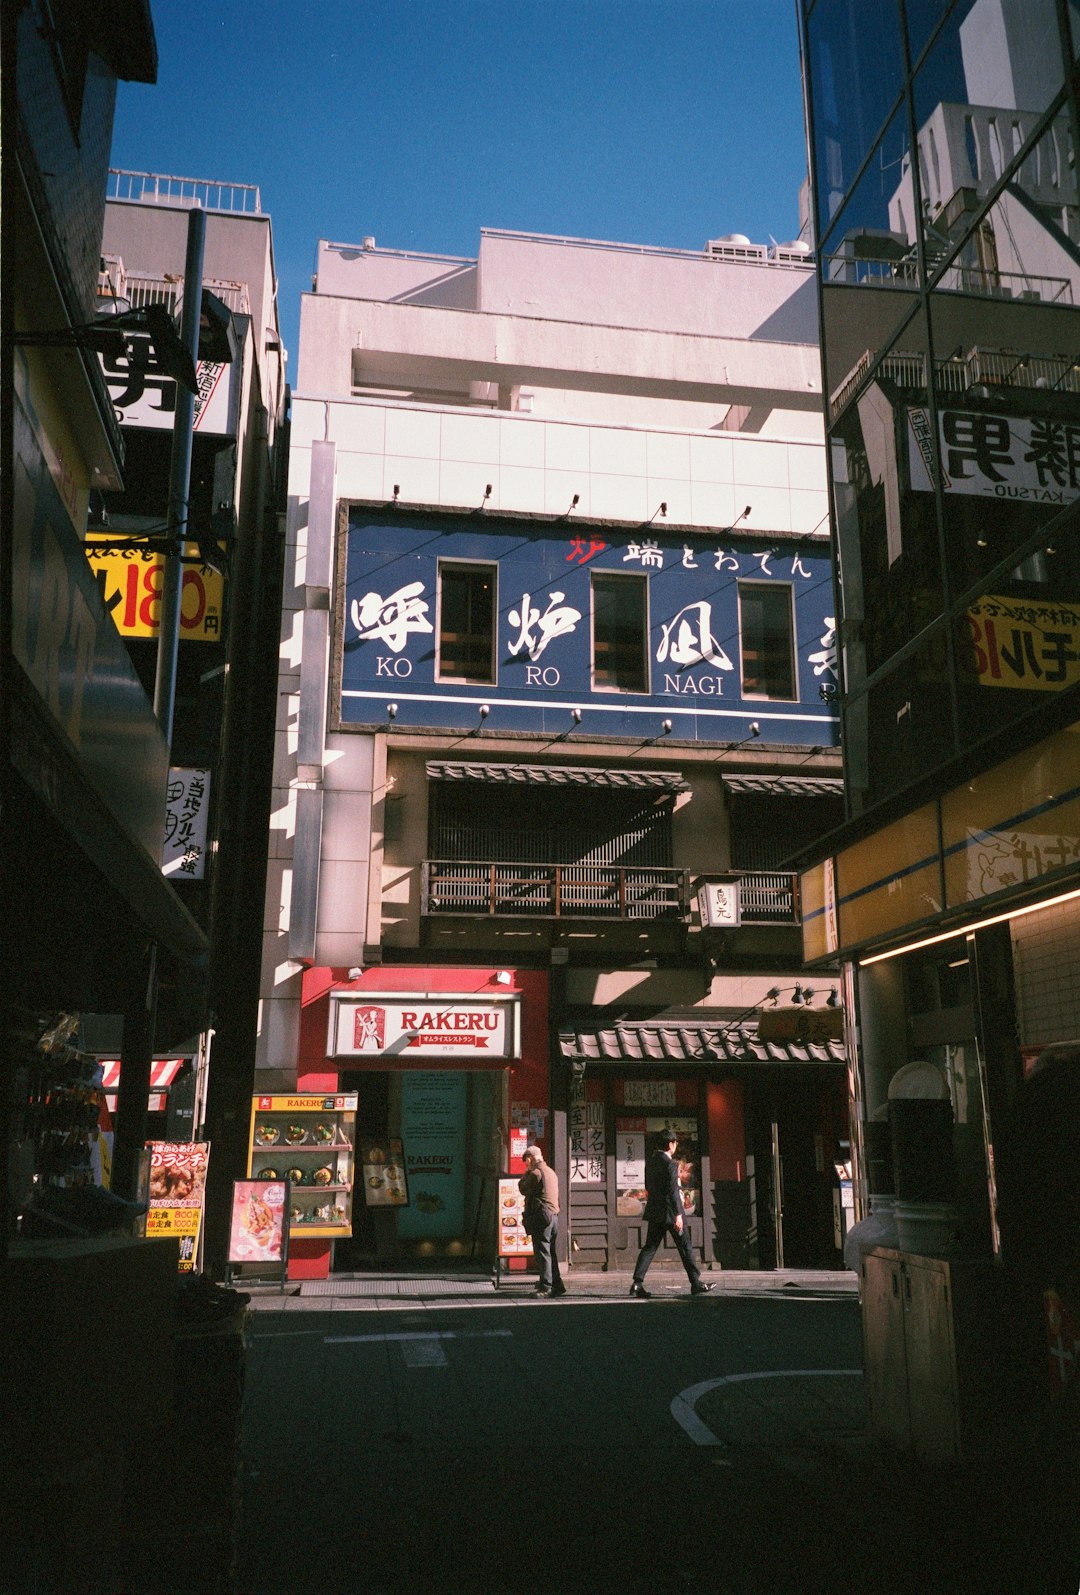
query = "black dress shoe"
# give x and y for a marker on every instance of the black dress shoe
(700, 1288)
(558, 1290)
(640, 1292)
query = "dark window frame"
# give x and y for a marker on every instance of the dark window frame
(603, 676)
(766, 693)
(467, 675)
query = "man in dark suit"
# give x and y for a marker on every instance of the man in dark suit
(665, 1215)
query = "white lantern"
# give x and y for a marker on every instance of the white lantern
(719, 904)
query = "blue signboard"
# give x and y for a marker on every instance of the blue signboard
(706, 605)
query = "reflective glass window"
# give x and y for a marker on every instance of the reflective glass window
(909, 719)
(856, 75)
(1021, 252)
(872, 240)
(923, 17)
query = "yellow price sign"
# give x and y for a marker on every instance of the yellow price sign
(131, 581)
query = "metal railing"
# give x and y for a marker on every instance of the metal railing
(155, 188)
(769, 897)
(554, 891)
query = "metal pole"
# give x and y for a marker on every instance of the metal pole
(179, 480)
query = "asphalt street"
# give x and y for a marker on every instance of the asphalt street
(598, 1444)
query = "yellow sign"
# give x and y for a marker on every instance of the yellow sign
(177, 1193)
(131, 580)
(1033, 644)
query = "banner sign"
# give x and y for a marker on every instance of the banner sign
(131, 579)
(471, 1031)
(1023, 642)
(307, 1104)
(1033, 460)
(513, 1241)
(258, 1232)
(187, 810)
(143, 395)
(177, 1194)
(692, 592)
(433, 1107)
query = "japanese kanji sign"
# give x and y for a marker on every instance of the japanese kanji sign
(130, 581)
(540, 631)
(1032, 459)
(187, 809)
(1025, 643)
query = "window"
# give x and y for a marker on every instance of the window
(620, 633)
(765, 627)
(467, 623)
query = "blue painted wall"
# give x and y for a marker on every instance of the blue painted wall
(543, 653)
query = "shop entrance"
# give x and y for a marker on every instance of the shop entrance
(445, 1130)
(796, 1134)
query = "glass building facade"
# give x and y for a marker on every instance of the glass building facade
(943, 149)
(943, 143)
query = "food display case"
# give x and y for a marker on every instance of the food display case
(309, 1141)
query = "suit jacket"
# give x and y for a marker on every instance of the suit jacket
(664, 1203)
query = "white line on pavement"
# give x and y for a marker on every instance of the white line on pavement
(418, 1334)
(682, 1408)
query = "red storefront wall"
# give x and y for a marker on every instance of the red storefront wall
(529, 1074)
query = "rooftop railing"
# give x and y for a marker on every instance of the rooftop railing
(155, 188)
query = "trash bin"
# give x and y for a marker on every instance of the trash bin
(924, 1169)
(921, 1134)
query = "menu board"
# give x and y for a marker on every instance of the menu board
(513, 1241)
(257, 1228)
(384, 1181)
(177, 1193)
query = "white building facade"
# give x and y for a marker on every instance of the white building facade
(557, 521)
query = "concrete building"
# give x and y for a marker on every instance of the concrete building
(223, 712)
(947, 225)
(557, 652)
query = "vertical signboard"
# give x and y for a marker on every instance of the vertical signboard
(433, 1133)
(177, 1193)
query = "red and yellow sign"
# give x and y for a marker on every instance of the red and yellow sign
(177, 1194)
(131, 580)
(1031, 644)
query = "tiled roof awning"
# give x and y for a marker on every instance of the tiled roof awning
(690, 1042)
(785, 785)
(564, 775)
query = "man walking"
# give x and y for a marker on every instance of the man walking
(540, 1187)
(664, 1215)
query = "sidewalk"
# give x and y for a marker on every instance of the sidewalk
(386, 1289)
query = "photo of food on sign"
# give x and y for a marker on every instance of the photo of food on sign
(257, 1228)
(383, 1164)
(513, 1241)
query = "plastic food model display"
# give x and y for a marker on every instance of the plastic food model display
(319, 1131)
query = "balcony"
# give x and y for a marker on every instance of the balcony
(554, 891)
(769, 897)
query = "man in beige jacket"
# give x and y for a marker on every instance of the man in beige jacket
(540, 1187)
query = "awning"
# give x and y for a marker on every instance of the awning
(784, 785)
(163, 1071)
(690, 1041)
(557, 775)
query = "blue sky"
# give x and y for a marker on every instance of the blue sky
(421, 121)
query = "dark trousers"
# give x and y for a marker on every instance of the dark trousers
(544, 1237)
(654, 1238)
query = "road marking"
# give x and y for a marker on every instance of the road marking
(682, 1408)
(418, 1334)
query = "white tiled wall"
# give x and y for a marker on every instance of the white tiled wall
(1046, 961)
(447, 457)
